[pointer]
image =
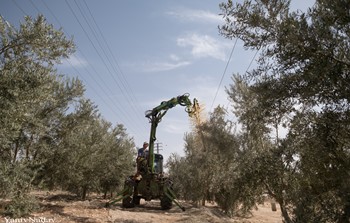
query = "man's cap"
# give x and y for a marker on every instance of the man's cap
(145, 143)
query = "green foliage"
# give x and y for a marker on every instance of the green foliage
(208, 172)
(35, 41)
(21, 205)
(16, 183)
(302, 84)
(91, 156)
(324, 167)
(32, 100)
(178, 170)
(49, 135)
(30, 86)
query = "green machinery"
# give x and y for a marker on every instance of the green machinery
(149, 182)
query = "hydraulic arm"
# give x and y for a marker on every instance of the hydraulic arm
(155, 116)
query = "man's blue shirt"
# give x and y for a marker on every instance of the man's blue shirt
(140, 152)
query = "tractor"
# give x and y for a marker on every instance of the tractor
(149, 182)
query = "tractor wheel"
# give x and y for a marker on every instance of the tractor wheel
(166, 203)
(136, 200)
(128, 203)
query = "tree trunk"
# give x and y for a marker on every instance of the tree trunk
(284, 212)
(15, 153)
(345, 218)
(28, 146)
(84, 192)
(273, 206)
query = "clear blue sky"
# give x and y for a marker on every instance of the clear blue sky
(132, 55)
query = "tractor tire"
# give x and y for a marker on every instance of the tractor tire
(128, 202)
(166, 203)
(136, 200)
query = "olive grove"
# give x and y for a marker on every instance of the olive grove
(51, 136)
(301, 88)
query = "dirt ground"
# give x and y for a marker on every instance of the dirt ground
(65, 208)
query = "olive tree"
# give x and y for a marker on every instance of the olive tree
(302, 78)
(33, 98)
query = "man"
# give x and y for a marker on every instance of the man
(141, 151)
(141, 161)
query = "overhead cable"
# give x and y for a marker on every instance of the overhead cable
(223, 74)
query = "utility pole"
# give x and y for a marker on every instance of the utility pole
(158, 146)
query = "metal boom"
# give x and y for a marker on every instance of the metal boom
(155, 116)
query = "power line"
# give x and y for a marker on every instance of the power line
(92, 76)
(32, 3)
(251, 62)
(124, 91)
(113, 56)
(59, 23)
(53, 14)
(102, 59)
(223, 74)
(19, 7)
(90, 40)
(96, 92)
(95, 48)
(246, 71)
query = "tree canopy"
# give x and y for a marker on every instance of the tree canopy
(291, 110)
(51, 136)
(302, 83)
